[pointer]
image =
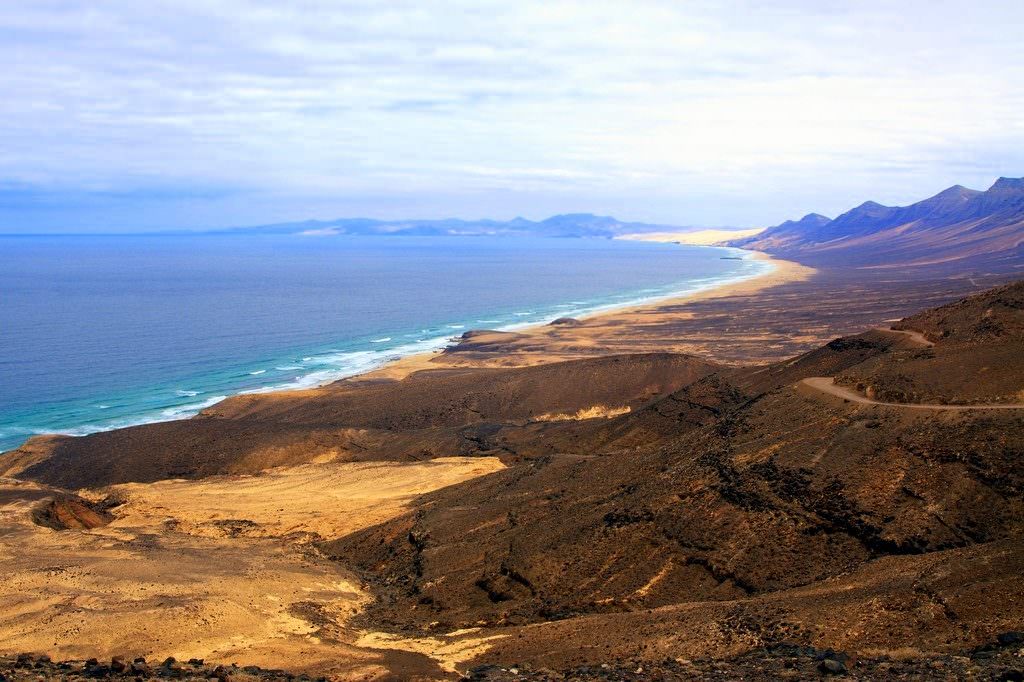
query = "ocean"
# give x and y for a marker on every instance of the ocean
(101, 332)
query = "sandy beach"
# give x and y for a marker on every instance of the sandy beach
(623, 330)
(709, 237)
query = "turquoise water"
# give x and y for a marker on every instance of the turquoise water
(101, 332)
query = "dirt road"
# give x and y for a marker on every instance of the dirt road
(827, 385)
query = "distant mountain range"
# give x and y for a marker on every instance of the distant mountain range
(955, 224)
(568, 225)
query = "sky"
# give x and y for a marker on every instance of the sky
(122, 116)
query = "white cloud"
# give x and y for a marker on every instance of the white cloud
(709, 112)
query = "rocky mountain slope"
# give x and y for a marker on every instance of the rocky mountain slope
(957, 224)
(744, 492)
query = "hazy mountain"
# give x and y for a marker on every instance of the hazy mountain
(567, 225)
(957, 223)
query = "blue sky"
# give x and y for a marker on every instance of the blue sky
(127, 115)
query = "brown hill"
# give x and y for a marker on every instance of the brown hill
(761, 513)
(729, 509)
(432, 413)
(958, 224)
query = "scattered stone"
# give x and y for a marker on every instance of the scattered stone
(997, 663)
(831, 666)
(118, 665)
(97, 670)
(140, 668)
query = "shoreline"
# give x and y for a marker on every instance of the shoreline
(782, 272)
(439, 357)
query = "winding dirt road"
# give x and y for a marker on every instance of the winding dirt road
(827, 385)
(916, 337)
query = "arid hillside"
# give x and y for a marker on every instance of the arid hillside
(431, 414)
(863, 497)
(757, 488)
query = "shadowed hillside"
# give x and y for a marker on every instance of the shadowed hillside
(431, 414)
(753, 491)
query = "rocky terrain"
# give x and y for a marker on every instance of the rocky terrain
(999, 661)
(34, 667)
(632, 517)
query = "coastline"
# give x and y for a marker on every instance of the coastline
(781, 272)
(446, 355)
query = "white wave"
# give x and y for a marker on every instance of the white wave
(23, 431)
(383, 339)
(188, 394)
(334, 366)
(456, 326)
(523, 314)
(183, 411)
(168, 414)
(288, 368)
(258, 372)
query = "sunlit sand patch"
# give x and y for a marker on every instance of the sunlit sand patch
(451, 651)
(327, 500)
(594, 412)
(220, 568)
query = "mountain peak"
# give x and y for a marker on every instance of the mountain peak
(958, 190)
(815, 218)
(868, 205)
(949, 199)
(1008, 184)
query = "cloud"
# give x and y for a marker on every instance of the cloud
(696, 112)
